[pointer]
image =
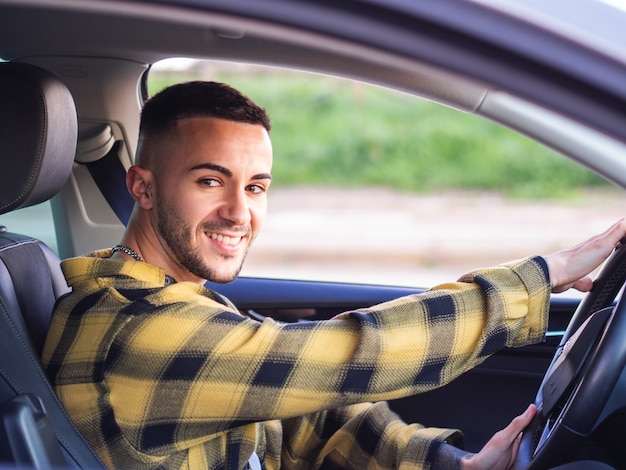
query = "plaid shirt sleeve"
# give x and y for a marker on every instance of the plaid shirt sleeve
(365, 435)
(172, 369)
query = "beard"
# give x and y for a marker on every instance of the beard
(178, 236)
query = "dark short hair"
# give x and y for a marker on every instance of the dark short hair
(199, 99)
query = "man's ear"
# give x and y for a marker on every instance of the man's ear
(139, 184)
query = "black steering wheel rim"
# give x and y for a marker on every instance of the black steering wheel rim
(553, 437)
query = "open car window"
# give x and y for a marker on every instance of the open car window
(35, 220)
(453, 192)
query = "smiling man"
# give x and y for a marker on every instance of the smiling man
(159, 372)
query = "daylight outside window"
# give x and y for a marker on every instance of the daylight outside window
(373, 185)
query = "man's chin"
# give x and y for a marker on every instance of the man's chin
(223, 277)
(221, 280)
(219, 269)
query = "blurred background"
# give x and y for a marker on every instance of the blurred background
(374, 185)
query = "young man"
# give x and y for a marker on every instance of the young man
(158, 371)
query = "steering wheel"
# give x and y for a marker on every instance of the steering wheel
(583, 373)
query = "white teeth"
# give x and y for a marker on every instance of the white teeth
(225, 239)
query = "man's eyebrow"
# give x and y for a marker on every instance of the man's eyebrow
(212, 166)
(226, 171)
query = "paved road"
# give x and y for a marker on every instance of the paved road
(383, 237)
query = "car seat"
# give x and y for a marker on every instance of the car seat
(38, 133)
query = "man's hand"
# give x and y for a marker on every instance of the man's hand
(501, 450)
(571, 267)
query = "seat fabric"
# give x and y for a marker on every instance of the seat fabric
(38, 133)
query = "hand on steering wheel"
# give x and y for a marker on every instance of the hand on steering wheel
(590, 359)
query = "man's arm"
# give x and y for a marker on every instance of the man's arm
(359, 436)
(355, 436)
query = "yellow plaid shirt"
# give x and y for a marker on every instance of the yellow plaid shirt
(174, 377)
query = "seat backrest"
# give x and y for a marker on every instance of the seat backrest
(38, 135)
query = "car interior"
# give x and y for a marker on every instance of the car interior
(69, 120)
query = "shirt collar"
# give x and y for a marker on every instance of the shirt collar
(99, 264)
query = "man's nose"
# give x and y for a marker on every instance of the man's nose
(235, 208)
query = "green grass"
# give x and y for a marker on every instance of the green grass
(330, 132)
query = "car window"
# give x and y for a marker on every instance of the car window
(373, 185)
(35, 221)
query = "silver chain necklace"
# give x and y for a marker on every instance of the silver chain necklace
(130, 252)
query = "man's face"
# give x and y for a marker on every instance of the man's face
(211, 195)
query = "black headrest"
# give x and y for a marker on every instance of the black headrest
(38, 134)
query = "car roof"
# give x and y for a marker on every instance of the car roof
(594, 23)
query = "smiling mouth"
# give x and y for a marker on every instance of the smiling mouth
(226, 240)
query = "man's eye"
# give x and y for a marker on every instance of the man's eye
(256, 189)
(209, 182)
